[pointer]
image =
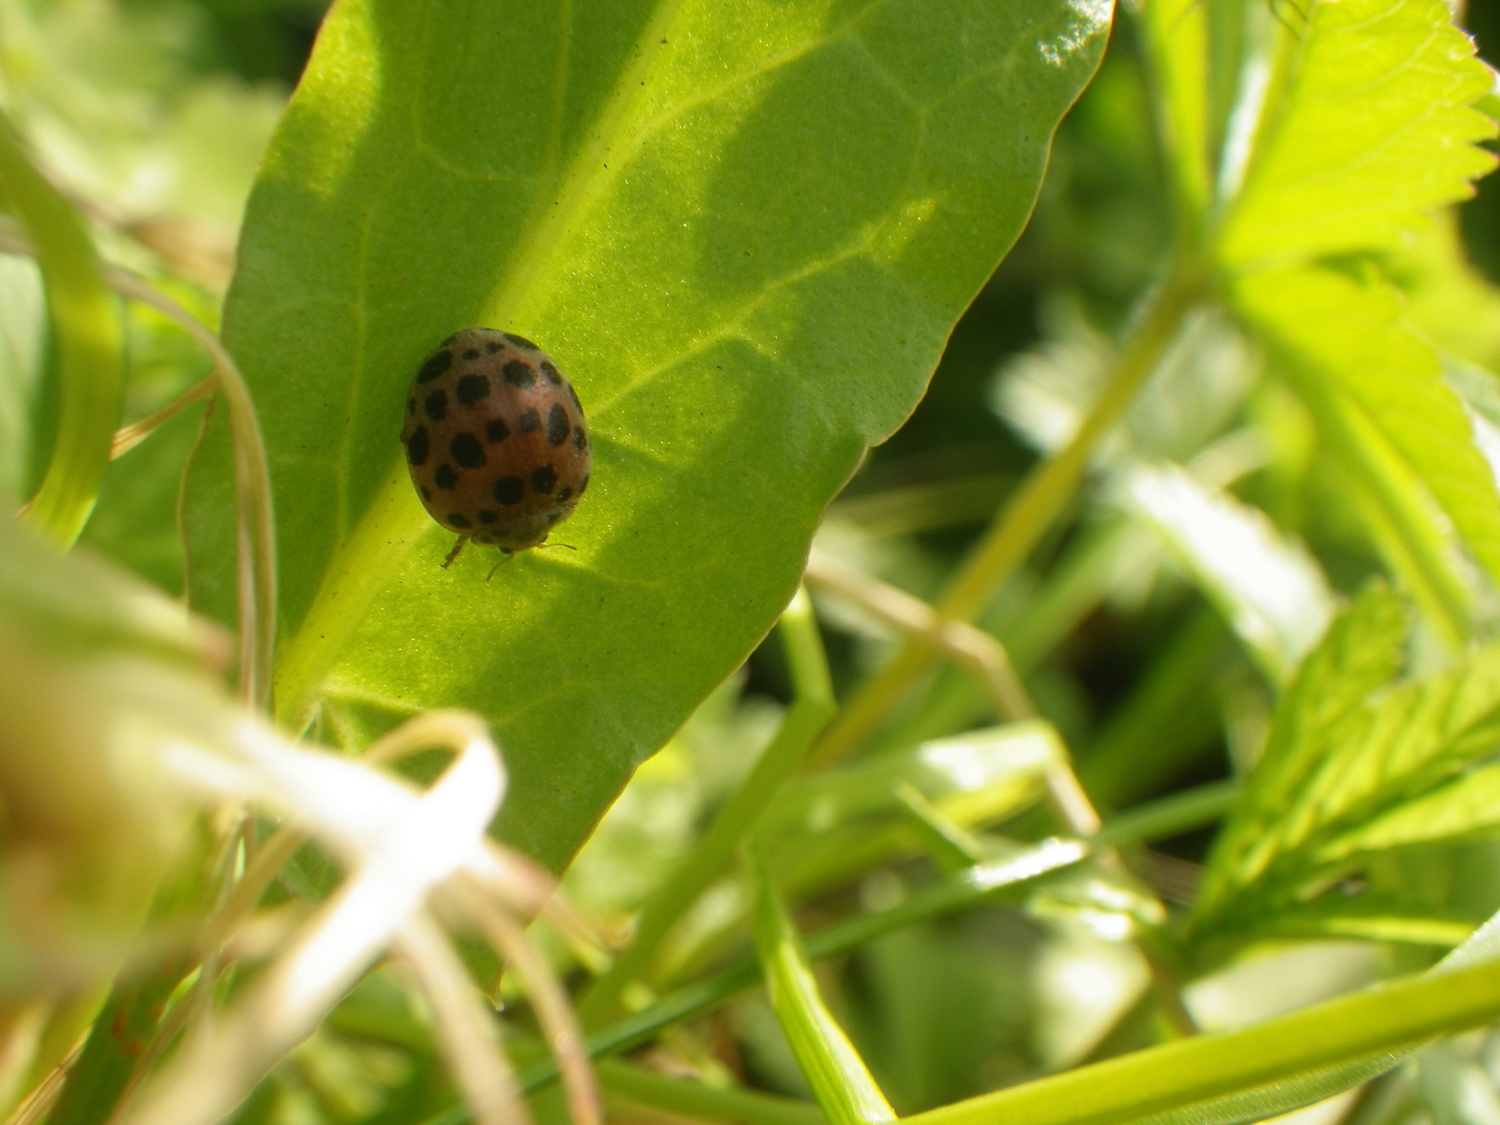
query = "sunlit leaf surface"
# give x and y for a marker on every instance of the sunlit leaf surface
(1369, 128)
(744, 235)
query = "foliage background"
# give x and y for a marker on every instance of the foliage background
(1118, 644)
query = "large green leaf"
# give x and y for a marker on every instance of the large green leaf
(743, 231)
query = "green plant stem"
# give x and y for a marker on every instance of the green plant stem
(1026, 517)
(1189, 1071)
(685, 1097)
(1170, 816)
(86, 326)
(837, 1075)
(812, 706)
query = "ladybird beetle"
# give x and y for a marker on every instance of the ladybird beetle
(495, 440)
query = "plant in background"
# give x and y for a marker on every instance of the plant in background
(1223, 582)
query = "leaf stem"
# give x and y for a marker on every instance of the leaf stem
(1026, 517)
(1180, 1074)
(86, 326)
(812, 706)
(839, 1078)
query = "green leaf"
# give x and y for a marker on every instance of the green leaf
(1337, 336)
(1368, 127)
(1465, 806)
(833, 1069)
(1354, 776)
(1359, 654)
(744, 236)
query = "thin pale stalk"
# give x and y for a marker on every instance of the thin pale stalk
(548, 999)
(972, 649)
(466, 1030)
(129, 436)
(256, 525)
(1027, 516)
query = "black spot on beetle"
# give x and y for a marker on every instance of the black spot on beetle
(530, 422)
(471, 353)
(555, 516)
(519, 374)
(574, 396)
(580, 439)
(437, 406)
(426, 493)
(411, 406)
(418, 446)
(543, 480)
(458, 519)
(471, 388)
(467, 451)
(509, 490)
(444, 476)
(496, 430)
(492, 347)
(584, 483)
(449, 340)
(435, 365)
(557, 424)
(554, 376)
(521, 342)
(487, 516)
(564, 495)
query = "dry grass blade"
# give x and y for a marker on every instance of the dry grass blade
(969, 647)
(466, 1029)
(548, 998)
(400, 846)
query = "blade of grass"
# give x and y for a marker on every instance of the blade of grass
(87, 330)
(812, 707)
(1202, 1069)
(838, 1076)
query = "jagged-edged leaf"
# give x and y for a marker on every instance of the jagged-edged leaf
(1467, 805)
(743, 234)
(1360, 653)
(1368, 126)
(1347, 334)
(1374, 777)
(1265, 583)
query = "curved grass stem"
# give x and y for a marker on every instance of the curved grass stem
(86, 327)
(256, 520)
